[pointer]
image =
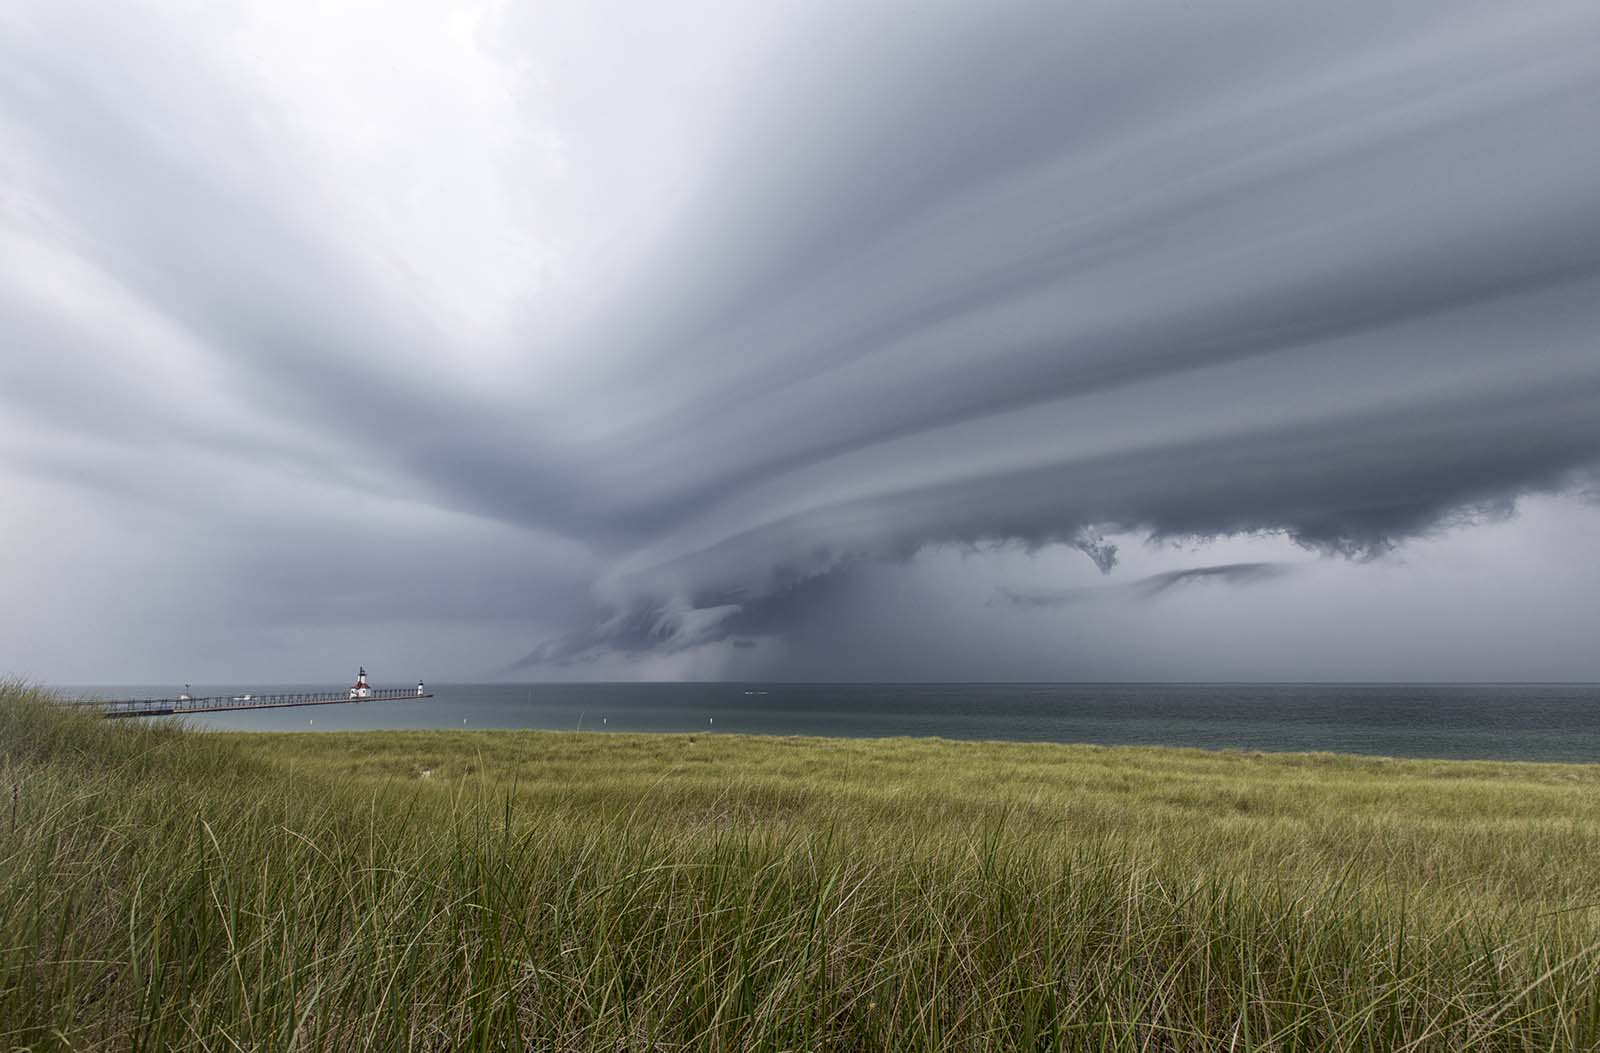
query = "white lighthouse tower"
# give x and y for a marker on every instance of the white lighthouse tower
(360, 690)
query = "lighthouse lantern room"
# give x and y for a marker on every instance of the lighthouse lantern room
(360, 690)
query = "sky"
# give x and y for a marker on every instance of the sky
(873, 341)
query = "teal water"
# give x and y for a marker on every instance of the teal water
(1536, 722)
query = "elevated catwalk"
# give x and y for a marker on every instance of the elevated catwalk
(166, 707)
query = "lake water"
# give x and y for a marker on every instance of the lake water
(1541, 722)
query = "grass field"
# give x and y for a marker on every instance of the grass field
(557, 891)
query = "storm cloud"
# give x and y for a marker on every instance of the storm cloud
(633, 335)
(1154, 584)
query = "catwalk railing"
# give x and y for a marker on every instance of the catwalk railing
(166, 707)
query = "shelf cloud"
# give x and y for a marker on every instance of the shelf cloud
(645, 323)
(1153, 584)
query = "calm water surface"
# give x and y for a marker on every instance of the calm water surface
(1500, 721)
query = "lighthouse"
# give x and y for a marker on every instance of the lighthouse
(360, 690)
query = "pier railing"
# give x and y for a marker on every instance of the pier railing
(161, 707)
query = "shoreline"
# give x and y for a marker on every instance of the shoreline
(1540, 724)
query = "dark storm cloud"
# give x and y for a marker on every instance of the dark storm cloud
(942, 275)
(1342, 267)
(668, 629)
(1152, 585)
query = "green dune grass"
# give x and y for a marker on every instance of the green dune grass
(165, 888)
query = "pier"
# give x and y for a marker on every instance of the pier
(360, 691)
(167, 707)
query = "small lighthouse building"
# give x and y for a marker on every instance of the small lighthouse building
(360, 689)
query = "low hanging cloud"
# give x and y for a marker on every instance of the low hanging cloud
(732, 309)
(1253, 573)
(1307, 280)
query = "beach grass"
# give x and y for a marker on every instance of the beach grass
(171, 889)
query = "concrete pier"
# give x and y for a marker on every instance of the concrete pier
(166, 707)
